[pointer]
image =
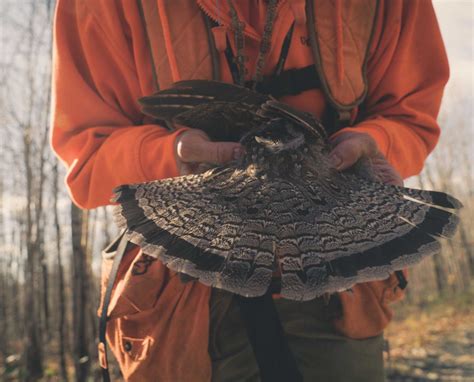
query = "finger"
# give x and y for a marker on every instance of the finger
(349, 148)
(196, 148)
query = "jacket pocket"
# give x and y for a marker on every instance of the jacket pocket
(108, 257)
(140, 281)
(145, 324)
(365, 309)
(392, 291)
(136, 349)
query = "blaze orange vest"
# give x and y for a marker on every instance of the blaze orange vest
(178, 47)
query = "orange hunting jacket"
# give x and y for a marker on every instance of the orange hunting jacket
(102, 64)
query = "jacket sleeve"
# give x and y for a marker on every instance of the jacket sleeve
(97, 128)
(407, 70)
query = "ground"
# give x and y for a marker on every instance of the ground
(434, 343)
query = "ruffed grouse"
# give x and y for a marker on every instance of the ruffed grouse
(281, 213)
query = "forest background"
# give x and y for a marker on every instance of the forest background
(50, 250)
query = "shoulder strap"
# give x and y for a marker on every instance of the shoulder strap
(121, 244)
(179, 41)
(354, 20)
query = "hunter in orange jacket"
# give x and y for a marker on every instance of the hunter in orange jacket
(102, 65)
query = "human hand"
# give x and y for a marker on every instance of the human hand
(193, 148)
(349, 147)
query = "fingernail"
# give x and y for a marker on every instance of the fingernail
(335, 160)
(237, 153)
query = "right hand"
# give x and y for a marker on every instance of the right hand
(194, 148)
(351, 146)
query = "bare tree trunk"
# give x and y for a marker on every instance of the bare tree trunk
(33, 349)
(106, 222)
(32, 343)
(4, 301)
(440, 276)
(4, 319)
(468, 175)
(61, 296)
(80, 293)
(4, 287)
(17, 308)
(93, 297)
(4, 316)
(468, 247)
(43, 291)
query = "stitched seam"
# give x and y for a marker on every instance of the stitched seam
(351, 85)
(345, 75)
(359, 58)
(198, 66)
(351, 34)
(179, 37)
(323, 65)
(109, 40)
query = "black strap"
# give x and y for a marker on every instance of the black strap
(281, 82)
(289, 82)
(284, 51)
(230, 58)
(267, 337)
(402, 280)
(121, 243)
(216, 72)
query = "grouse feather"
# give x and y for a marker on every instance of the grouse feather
(281, 209)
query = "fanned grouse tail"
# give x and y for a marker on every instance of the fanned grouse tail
(231, 230)
(437, 198)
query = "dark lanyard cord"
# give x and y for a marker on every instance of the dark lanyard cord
(284, 51)
(231, 59)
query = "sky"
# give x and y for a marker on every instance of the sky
(456, 20)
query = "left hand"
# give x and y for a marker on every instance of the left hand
(350, 146)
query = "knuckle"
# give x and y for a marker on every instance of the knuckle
(219, 154)
(370, 144)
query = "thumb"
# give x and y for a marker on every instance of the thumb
(349, 148)
(219, 152)
(193, 146)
